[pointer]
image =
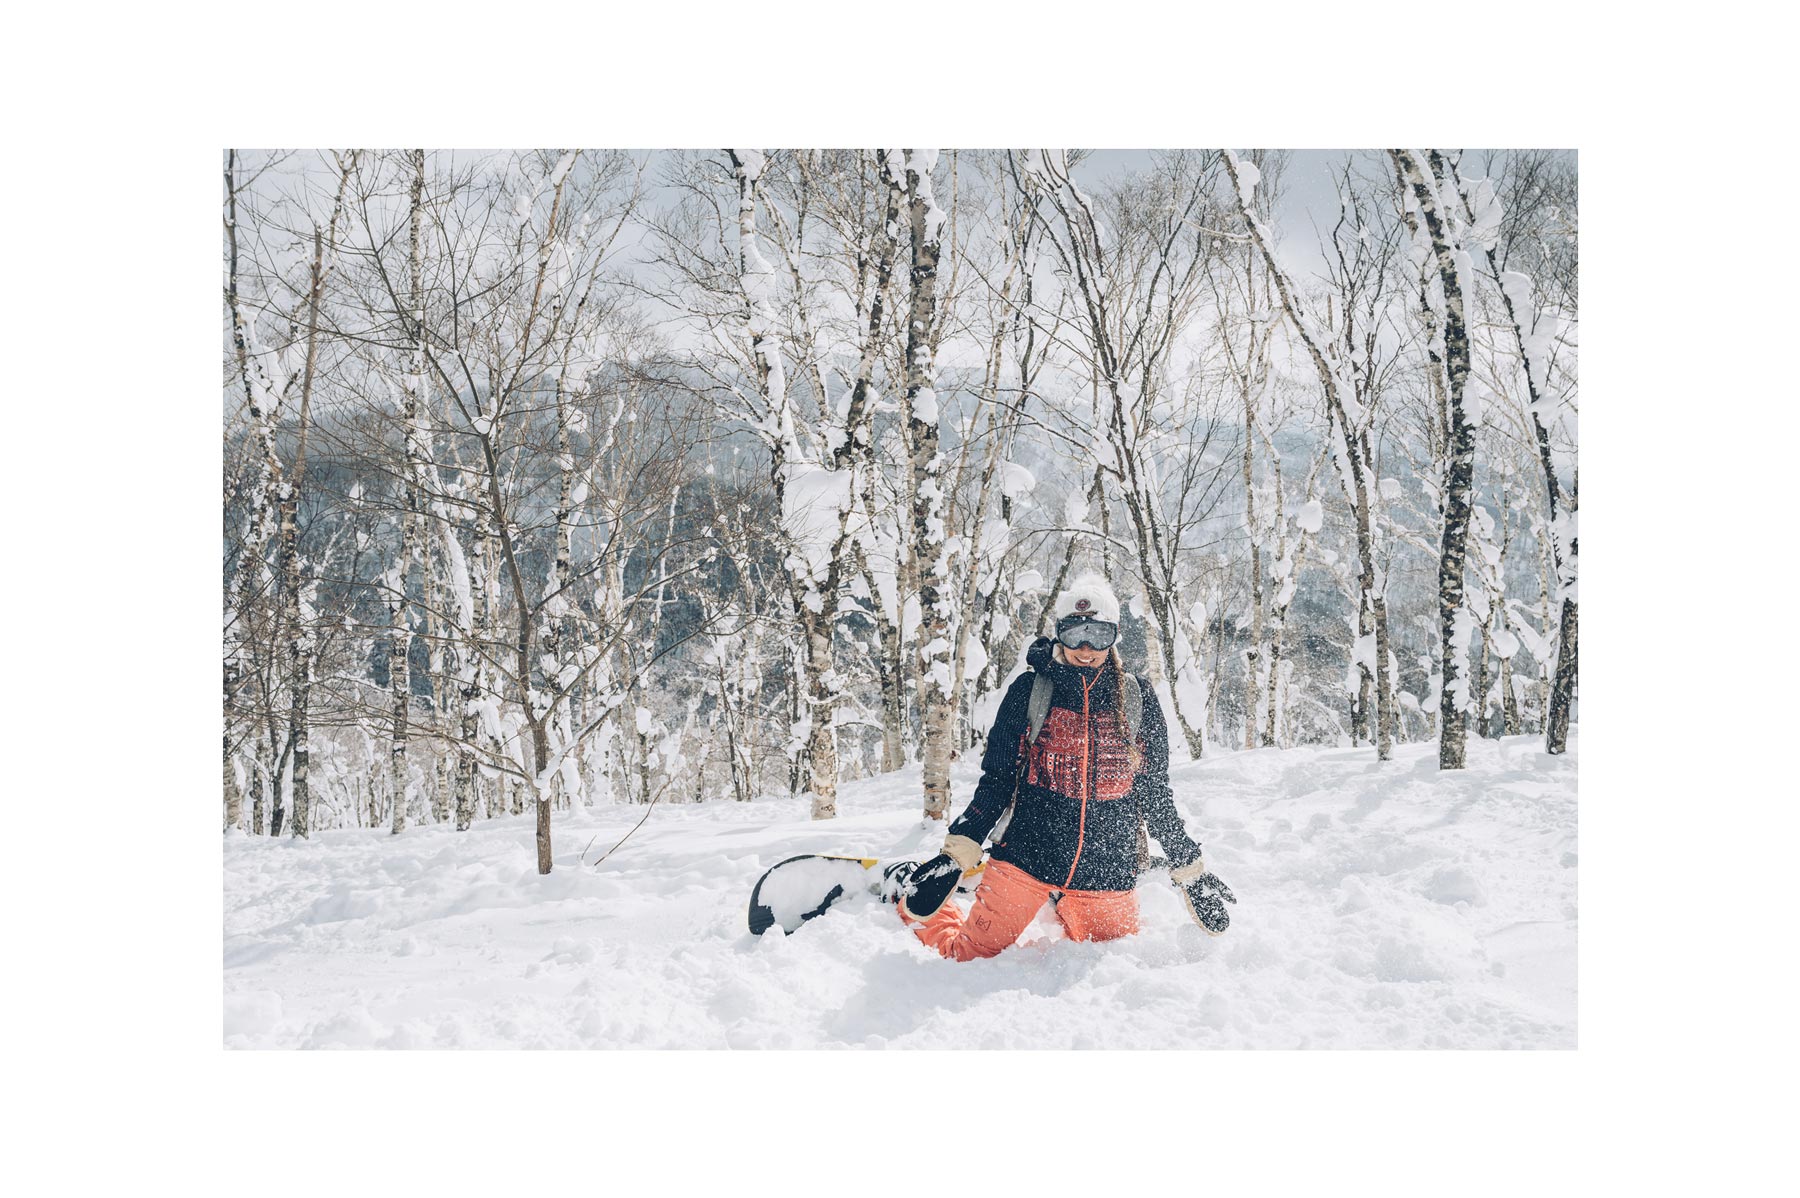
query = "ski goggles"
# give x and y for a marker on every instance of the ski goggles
(1085, 632)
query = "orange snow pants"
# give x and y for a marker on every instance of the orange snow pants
(1007, 899)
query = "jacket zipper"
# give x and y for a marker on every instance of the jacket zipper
(1087, 746)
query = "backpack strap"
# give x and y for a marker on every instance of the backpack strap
(1131, 705)
(1039, 708)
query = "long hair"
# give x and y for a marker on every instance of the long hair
(1133, 753)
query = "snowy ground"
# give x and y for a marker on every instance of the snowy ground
(1379, 906)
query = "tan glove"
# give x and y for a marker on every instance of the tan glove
(1188, 872)
(965, 852)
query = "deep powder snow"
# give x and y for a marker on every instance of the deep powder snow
(1379, 906)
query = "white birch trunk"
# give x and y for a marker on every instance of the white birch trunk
(1559, 530)
(301, 644)
(1351, 449)
(936, 700)
(1447, 252)
(411, 404)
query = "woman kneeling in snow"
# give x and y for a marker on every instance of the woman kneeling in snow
(1080, 751)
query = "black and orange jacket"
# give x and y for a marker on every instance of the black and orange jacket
(1079, 801)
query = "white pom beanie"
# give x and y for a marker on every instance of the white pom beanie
(1089, 595)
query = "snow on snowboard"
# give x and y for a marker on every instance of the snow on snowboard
(805, 887)
(800, 888)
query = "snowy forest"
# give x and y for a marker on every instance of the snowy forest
(559, 479)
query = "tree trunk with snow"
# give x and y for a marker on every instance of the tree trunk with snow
(1286, 571)
(1482, 685)
(399, 629)
(1454, 623)
(936, 702)
(999, 428)
(475, 672)
(299, 656)
(529, 768)
(234, 794)
(858, 444)
(400, 668)
(464, 783)
(442, 684)
(561, 633)
(1385, 715)
(1488, 601)
(1516, 297)
(1562, 690)
(1251, 375)
(1533, 332)
(890, 663)
(267, 488)
(815, 492)
(301, 643)
(1253, 656)
(250, 558)
(1351, 448)
(280, 775)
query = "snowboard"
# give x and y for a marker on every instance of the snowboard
(802, 888)
(805, 887)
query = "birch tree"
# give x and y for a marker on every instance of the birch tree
(1245, 337)
(1349, 428)
(250, 566)
(269, 378)
(1134, 289)
(988, 633)
(1361, 270)
(301, 644)
(929, 550)
(1540, 334)
(499, 336)
(804, 208)
(1422, 173)
(412, 384)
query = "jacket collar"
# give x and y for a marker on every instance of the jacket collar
(1061, 665)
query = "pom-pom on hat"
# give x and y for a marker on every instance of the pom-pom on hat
(1089, 595)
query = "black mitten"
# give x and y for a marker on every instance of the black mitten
(929, 886)
(1205, 896)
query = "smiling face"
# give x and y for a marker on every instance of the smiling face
(1085, 658)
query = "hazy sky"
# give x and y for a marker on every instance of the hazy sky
(1307, 196)
(1308, 202)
